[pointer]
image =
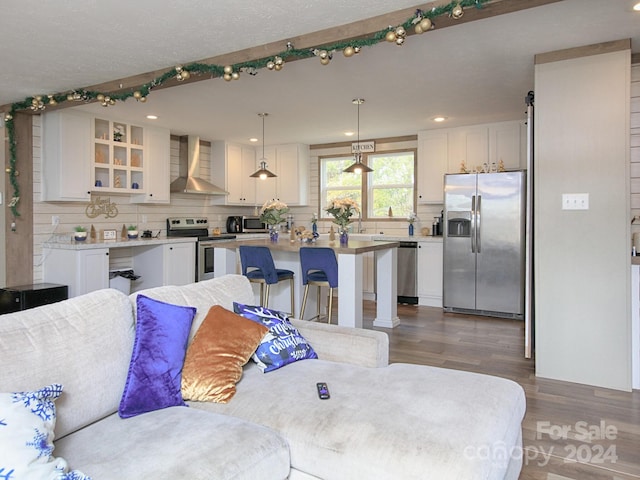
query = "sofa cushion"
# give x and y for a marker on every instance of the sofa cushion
(202, 295)
(155, 371)
(83, 343)
(27, 421)
(282, 345)
(401, 421)
(177, 443)
(223, 344)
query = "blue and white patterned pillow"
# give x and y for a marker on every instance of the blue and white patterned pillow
(27, 420)
(282, 344)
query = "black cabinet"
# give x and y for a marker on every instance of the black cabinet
(14, 299)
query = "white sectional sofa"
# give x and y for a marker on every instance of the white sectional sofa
(382, 421)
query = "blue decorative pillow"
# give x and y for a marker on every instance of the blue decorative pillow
(27, 420)
(282, 344)
(155, 371)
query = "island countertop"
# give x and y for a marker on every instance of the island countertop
(284, 244)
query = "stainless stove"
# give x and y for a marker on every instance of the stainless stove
(197, 227)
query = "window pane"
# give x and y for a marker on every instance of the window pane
(334, 175)
(399, 199)
(392, 183)
(337, 184)
(392, 169)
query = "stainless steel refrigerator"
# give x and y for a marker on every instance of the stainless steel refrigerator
(484, 243)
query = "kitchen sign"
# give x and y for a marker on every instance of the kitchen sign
(363, 147)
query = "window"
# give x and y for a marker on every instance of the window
(334, 183)
(391, 184)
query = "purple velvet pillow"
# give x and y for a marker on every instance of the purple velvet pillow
(155, 371)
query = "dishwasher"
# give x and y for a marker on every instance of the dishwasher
(407, 273)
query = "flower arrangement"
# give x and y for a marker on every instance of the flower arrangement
(342, 209)
(412, 218)
(274, 212)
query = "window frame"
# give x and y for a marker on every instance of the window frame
(365, 185)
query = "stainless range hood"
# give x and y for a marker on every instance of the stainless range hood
(188, 180)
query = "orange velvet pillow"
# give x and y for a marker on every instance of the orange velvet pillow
(213, 365)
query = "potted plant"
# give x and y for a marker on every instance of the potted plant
(273, 214)
(132, 232)
(80, 234)
(342, 209)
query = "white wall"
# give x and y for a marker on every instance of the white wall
(582, 258)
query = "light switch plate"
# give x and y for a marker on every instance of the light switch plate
(575, 201)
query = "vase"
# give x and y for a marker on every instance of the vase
(344, 237)
(273, 233)
(411, 229)
(314, 228)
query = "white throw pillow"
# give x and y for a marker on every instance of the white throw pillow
(27, 420)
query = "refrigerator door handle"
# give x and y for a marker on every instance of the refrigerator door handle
(473, 224)
(478, 222)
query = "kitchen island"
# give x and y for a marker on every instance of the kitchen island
(84, 266)
(350, 273)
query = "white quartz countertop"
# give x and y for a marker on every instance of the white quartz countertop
(138, 242)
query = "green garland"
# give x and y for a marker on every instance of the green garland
(214, 71)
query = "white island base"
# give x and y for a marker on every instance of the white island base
(350, 274)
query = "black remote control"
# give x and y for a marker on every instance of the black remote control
(323, 391)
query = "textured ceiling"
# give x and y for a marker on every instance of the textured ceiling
(472, 73)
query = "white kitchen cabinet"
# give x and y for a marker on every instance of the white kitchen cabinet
(430, 259)
(83, 271)
(66, 157)
(235, 163)
(507, 142)
(179, 263)
(475, 147)
(155, 188)
(118, 156)
(433, 154)
(290, 162)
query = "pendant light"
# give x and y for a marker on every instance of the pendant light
(358, 166)
(262, 173)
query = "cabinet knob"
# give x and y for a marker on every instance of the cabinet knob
(107, 253)
(151, 194)
(170, 248)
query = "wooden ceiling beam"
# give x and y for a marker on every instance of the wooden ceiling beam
(329, 36)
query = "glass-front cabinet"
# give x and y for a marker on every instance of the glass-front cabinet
(118, 157)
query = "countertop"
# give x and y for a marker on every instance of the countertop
(286, 245)
(138, 242)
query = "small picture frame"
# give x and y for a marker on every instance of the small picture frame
(110, 234)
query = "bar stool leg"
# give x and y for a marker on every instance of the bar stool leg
(330, 305)
(293, 305)
(318, 301)
(304, 301)
(266, 297)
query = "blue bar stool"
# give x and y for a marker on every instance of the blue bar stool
(319, 267)
(258, 267)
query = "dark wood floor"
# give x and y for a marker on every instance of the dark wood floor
(493, 346)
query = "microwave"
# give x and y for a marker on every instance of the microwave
(245, 224)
